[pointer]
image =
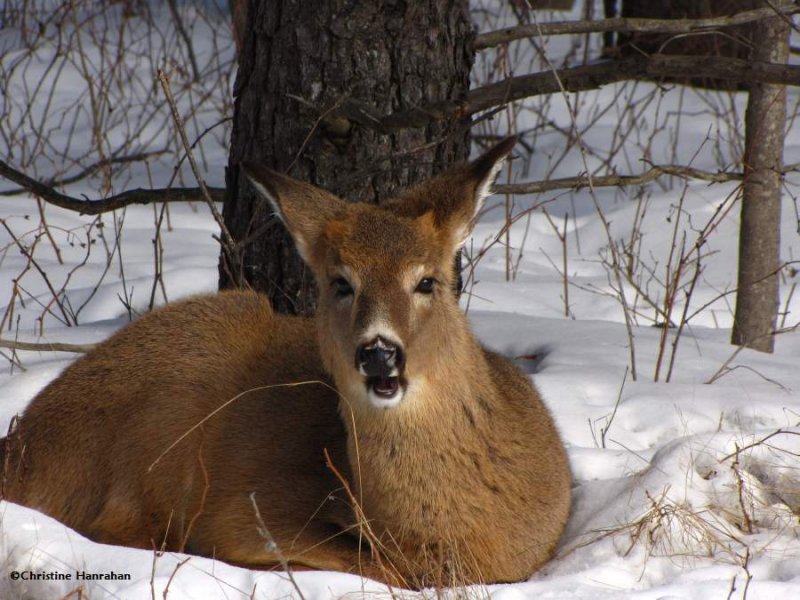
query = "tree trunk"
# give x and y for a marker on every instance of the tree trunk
(759, 236)
(297, 60)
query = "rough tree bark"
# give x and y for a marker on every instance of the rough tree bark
(759, 237)
(297, 60)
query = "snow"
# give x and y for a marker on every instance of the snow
(682, 489)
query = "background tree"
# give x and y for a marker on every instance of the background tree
(299, 64)
(759, 235)
(763, 41)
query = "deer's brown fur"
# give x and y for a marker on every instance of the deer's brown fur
(454, 460)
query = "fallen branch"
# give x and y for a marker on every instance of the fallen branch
(510, 34)
(46, 346)
(92, 169)
(86, 206)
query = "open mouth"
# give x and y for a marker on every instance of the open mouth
(384, 387)
(381, 362)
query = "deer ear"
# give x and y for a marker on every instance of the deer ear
(303, 208)
(451, 201)
(480, 177)
(485, 168)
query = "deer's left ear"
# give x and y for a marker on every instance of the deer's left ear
(452, 200)
(480, 177)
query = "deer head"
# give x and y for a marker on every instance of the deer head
(385, 274)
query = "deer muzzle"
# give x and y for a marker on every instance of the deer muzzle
(381, 361)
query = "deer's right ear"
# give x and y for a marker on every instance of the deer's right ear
(303, 208)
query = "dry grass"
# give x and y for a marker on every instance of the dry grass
(736, 508)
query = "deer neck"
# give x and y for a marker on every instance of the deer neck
(404, 458)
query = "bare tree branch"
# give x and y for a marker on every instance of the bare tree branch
(92, 169)
(651, 68)
(573, 79)
(502, 36)
(187, 41)
(656, 171)
(86, 206)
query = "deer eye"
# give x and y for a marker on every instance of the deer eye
(425, 286)
(341, 287)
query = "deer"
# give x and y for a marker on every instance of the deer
(377, 438)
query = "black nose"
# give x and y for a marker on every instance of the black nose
(380, 358)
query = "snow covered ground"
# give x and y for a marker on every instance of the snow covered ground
(682, 489)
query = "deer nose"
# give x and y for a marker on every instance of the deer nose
(380, 358)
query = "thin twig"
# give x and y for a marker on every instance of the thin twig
(228, 243)
(172, 576)
(202, 506)
(366, 529)
(757, 443)
(176, 17)
(747, 525)
(604, 430)
(273, 548)
(28, 253)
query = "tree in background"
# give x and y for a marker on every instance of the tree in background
(756, 314)
(311, 75)
(764, 41)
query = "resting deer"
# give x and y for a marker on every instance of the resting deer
(382, 439)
